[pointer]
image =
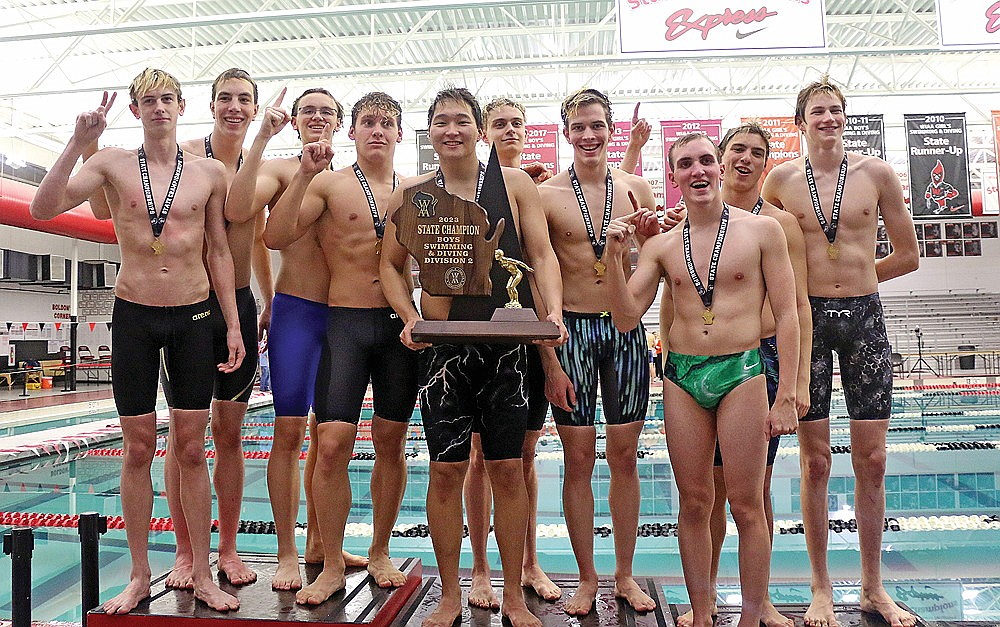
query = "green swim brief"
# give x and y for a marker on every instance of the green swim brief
(709, 378)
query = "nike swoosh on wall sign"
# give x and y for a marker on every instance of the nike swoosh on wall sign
(741, 35)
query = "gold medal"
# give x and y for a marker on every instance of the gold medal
(599, 267)
(378, 246)
(157, 246)
(708, 317)
(832, 251)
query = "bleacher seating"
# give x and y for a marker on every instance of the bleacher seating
(947, 320)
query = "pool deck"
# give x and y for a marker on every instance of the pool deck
(364, 604)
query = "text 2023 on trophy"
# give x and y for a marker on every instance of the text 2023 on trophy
(451, 239)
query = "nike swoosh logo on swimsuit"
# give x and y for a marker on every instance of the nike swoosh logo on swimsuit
(741, 35)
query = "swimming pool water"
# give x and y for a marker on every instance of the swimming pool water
(919, 482)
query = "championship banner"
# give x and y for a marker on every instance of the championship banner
(618, 144)
(671, 131)
(865, 134)
(541, 143)
(685, 26)
(969, 23)
(996, 137)
(786, 144)
(939, 170)
(427, 159)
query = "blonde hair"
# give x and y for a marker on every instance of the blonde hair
(582, 98)
(822, 86)
(150, 79)
(496, 103)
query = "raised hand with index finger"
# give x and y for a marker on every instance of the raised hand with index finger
(641, 129)
(316, 156)
(275, 117)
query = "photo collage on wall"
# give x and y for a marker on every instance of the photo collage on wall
(944, 239)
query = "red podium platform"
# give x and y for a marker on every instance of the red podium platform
(361, 603)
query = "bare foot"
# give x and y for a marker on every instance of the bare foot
(820, 612)
(384, 573)
(323, 588)
(351, 560)
(215, 598)
(127, 599)
(537, 580)
(628, 590)
(180, 576)
(481, 593)
(236, 571)
(519, 615)
(447, 614)
(314, 547)
(687, 618)
(770, 616)
(879, 602)
(582, 601)
(287, 576)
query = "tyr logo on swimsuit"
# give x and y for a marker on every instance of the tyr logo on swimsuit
(838, 313)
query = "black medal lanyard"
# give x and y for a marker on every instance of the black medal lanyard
(439, 179)
(210, 155)
(157, 221)
(597, 243)
(378, 221)
(830, 230)
(706, 292)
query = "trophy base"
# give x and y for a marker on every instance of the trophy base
(507, 326)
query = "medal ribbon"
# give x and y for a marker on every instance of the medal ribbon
(379, 222)
(157, 222)
(708, 292)
(756, 208)
(208, 152)
(439, 179)
(830, 230)
(609, 195)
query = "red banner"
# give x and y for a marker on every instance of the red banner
(541, 143)
(673, 129)
(618, 144)
(786, 144)
(996, 138)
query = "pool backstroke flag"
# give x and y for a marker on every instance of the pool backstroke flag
(541, 144)
(865, 134)
(673, 129)
(937, 154)
(682, 26)
(969, 23)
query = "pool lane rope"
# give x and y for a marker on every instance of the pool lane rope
(975, 522)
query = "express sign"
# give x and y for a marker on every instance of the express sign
(678, 26)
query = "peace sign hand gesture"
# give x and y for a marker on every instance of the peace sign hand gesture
(90, 124)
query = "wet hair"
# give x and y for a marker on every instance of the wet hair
(582, 98)
(497, 103)
(822, 86)
(457, 94)
(150, 79)
(237, 73)
(752, 127)
(377, 101)
(684, 140)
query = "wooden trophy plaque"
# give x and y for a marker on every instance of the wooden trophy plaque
(447, 235)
